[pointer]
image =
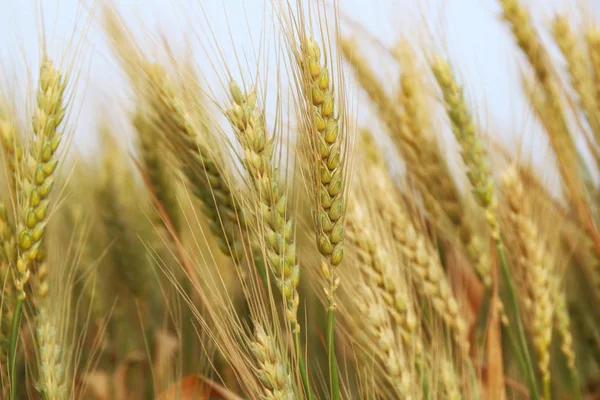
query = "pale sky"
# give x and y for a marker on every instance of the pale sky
(478, 44)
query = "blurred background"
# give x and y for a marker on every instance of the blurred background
(476, 41)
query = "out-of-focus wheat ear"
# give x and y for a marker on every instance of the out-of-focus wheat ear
(52, 383)
(425, 267)
(199, 164)
(579, 71)
(534, 269)
(592, 39)
(549, 101)
(437, 178)
(563, 146)
(6, 300)
(13, 154)
(248, 122)
(478, 172)
(272, 368)
(450, 383)
(377, 324)
(408, 145)
(472, 152)
(124, 251)
(562, 324)
(377, 267)
(530, 43)
(156, 166)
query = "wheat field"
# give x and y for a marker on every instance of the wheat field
(297, 222)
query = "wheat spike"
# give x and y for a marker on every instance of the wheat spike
(198, 163)
(156, 167)
(13, 152)
(534, 269)
(6, 250)
(579, 71)
(426, 269)
(52, 383)
(472, 152)
(387, 348)
(272, 369)
(39, 174)
(328, 148)
(376, 265)
(592, 39)
(249, 125)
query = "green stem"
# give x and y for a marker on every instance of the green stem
(12, 353)
(333, 373)
(575, 383)
(424, 378)
(512, 296)
(302, 364)
(547, 389)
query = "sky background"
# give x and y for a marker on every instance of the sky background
(468, 31)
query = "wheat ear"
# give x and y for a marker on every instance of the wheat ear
(579, 71)
(198, 163)
(562, 324)
(387, 347)
(534, 269)
(39, 180)
(248, 122)
(272, 369)
(422, 155)
(592, 40)
(376, 266)
(327, 139)
(156, 166)
(482, 184)
(426, 269)
(13, 153)
(52, 383)
(6, 249)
